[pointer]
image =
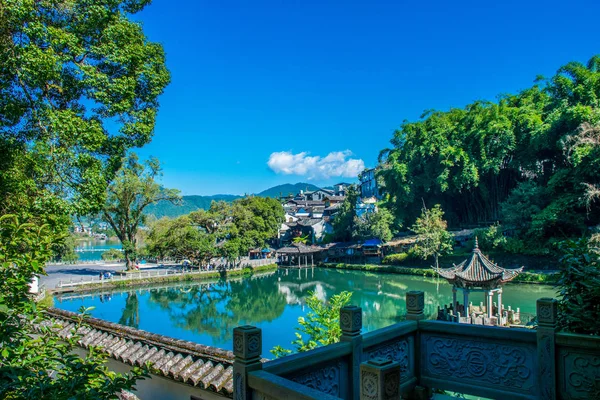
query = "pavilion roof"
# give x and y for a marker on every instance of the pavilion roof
(298, 248)
(478, 271)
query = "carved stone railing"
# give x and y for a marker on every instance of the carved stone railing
(479, 360)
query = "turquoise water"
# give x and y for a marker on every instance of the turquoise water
(207, 312)
(91, 250)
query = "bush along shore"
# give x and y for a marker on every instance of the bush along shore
(213, 275)
(548, 278)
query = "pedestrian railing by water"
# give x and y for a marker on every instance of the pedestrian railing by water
(139, 275)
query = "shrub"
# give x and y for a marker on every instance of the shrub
(396, 259)
(112, 255)
(320, 327)
(490, 238)
(579, 286)
(514, 246)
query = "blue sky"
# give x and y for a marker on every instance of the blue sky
(269, 92)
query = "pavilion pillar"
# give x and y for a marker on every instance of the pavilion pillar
(500, 305)
(490, 301)
(312, 260)
(466, 301)
(299, 260)
(454, 298)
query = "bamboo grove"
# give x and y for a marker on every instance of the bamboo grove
(529, 160)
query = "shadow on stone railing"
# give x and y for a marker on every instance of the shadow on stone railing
(413, 357)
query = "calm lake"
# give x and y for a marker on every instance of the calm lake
(91, 250)
(206, 313)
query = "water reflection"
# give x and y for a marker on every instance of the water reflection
(207, 312)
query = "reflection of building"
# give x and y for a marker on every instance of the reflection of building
(479, 274)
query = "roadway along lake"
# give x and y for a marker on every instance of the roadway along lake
(206, 313)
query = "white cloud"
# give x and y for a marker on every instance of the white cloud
(334, 164)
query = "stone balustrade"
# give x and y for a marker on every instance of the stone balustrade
(412, 358)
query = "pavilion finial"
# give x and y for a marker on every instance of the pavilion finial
(476, 244)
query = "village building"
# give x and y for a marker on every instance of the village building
(297, 255)
(368, 186)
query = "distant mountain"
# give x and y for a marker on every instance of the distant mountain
(193, 203)
(187, 205)
(288, 188)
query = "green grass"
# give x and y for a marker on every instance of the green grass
(548, 278)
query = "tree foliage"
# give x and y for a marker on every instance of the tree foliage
(226, 230)
(36, 362)
(579, 287)
(79, 84)
(79, 87)
(529, 160)
(374, 225)
(344, 219)
(321, 326)
(134, 189)
(433, 238)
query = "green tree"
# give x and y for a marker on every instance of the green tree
(433, 238)
(529, 160)
(29, 350)
(344, 219)
(112, 255)
(374, 225)
(301, 239)
(245, 223)
(579, 287)
(79, 87)
(134, 189)
(321, 326)
(79, 84)
(180, 238)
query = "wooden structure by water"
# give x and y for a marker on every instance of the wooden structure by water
(477, 274)
(297, 255)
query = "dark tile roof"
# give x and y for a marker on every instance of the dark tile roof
(478, 271)
(197, 365)
(309, 221)
(333, 207)
(335, 198)
(299, 248)
(306, 203)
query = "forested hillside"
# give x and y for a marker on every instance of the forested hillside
(194, 202)
(286, 189)
(187, 205)
(530, 160)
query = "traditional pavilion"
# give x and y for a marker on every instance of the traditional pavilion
(297, 254)
(478, 274)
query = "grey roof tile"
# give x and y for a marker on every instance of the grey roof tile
(197, 375)
(207, 367)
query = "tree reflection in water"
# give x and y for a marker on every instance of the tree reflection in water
(274, 302)
(215, 309)
(131, 312)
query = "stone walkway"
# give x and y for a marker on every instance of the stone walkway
(56, 273)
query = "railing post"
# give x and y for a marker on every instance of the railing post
(380, 380)
(247, 347)
(351, 325)
(547, 312)
(415, 305)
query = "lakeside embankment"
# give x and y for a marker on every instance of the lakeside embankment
(108, 284)
(545, 277)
